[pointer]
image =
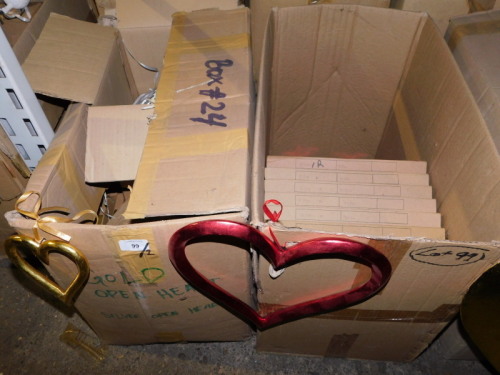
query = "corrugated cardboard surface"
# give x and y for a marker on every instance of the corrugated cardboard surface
(260, 15)
(115, 140)
(12, 184)
(474, 41)
(342, 339)
(206, 78)
(145, 27)
(356, 119)
(78, 61)
(440, 11)
(22, 35)
(423, 295)
(133, 297)
(431, 116)
(482, 5)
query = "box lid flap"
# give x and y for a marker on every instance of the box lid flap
(115, 140)
(69, 59)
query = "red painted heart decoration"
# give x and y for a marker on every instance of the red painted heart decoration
(279, 258)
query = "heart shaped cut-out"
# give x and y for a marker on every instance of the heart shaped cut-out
(279, 258)
(16, 243)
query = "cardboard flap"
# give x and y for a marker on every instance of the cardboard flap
(195, 159)
(115, 140)
(329, 109)
(59, 176)
(69, 59)
(474, 41)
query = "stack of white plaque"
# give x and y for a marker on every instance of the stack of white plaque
(360, 196)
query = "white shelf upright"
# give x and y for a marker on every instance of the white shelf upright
(21, 115)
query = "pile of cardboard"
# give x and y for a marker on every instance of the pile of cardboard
(364, 196)
(366, 81)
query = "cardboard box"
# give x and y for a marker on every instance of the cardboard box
(440, 11)
(396, 98)
(115, 140)
(21, 37)
(145, 27)
(262, 8)
(79, 61)
(132, 296)
(198, 146)
(135, 296)
(474, 41)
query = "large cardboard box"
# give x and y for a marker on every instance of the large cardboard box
(474, 41)
(355, 89)
(134, 295)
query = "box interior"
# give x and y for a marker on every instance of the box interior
(376, 83)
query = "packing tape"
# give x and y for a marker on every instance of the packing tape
(460, 31)
(443, 313)
(207, 143)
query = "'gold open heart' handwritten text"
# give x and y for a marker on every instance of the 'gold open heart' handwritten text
(13, 246)
(330, 247)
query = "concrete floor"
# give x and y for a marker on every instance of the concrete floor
(30, 327)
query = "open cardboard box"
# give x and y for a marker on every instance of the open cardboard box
(134, 295)
(379, 83)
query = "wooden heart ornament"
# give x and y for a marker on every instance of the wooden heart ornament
(42, 250)
(279, 257)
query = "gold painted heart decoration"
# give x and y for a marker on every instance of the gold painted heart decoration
(17, 243)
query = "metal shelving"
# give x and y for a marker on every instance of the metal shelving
(21, 115)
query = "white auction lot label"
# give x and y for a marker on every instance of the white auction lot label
(133, 245)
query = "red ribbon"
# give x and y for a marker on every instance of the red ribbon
(273, 216)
